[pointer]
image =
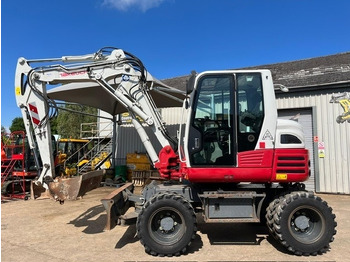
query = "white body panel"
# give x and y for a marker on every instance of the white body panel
(289, 127)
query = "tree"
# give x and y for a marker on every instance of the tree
(68, 123)
(4, 136)
(17, 125)
(53, 124)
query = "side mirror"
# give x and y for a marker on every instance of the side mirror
(190, 83)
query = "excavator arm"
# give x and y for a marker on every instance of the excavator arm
(115, 72)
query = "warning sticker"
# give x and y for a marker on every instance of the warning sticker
(321, 153)
(18, 91)
(267, 135)
(281, 176)
(34, 113)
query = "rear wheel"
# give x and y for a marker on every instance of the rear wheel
(270, 211)
(166, 225)
(302, 222)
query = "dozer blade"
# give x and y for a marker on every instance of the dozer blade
(71, 188)
(116, 204)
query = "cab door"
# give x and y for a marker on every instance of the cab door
(226, 118)
(211, 139)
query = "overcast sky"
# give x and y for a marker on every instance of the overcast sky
(171, 37)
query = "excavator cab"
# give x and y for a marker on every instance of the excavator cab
(227, 118)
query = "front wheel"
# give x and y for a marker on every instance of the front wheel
(166, 225)
(303, 223)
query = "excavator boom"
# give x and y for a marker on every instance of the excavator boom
(118, 74)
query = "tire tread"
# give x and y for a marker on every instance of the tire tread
(152, 201)
(276, 209)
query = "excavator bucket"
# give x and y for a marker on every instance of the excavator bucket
(70, 188)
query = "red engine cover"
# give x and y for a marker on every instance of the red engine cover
(258, 166)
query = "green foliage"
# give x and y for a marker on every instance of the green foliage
(4, 136)
(68, 123)
(53, 124)
(17, 125)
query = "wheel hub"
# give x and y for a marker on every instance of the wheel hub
(302, 222)
(167, 223)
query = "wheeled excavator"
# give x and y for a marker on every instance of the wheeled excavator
(232, 160)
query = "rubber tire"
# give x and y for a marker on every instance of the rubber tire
(150, 239)
(322, 226)
(270, 211)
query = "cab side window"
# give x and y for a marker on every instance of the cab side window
(250, 110)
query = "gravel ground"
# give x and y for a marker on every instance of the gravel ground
(44, 230)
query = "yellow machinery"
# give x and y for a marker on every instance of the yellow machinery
(344, 100)
(136, 162)
(101, 157)
(70, 151)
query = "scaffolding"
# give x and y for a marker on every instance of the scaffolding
(17, 166)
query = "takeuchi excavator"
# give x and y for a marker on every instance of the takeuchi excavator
(232, 160)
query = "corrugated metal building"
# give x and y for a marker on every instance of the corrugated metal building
(312, 83)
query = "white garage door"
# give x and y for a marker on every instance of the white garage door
(304, 117)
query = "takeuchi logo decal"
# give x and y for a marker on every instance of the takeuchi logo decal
(344, 100)
(64, 74)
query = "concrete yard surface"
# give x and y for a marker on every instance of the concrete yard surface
(44, 230)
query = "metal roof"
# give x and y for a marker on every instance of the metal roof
(298, 74)
(92, 94)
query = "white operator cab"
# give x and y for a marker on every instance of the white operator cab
(231, 112)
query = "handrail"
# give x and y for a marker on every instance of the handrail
(94, 131)
(84, 166)
(88, 143)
